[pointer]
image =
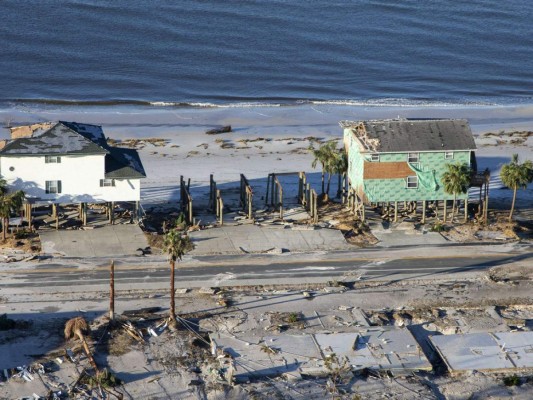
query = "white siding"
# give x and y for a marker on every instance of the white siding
(79, 175)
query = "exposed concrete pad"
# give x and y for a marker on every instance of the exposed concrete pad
(266, 357)
(388, 349)
(403, 234)
(106, 241)
(254, 239)
(486, 351)
(376, 348)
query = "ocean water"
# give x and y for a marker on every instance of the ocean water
(238, 53)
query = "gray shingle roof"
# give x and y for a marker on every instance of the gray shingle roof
(59, 139)
(75, 138)
(92, 132)
(123, 163)
(404, 135)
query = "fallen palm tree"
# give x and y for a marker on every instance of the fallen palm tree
(78, 327)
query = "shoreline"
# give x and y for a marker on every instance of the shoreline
(266, 139)
(322, 116)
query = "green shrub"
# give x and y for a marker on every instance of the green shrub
(22, 234)
(439, 227)
(6, 323)
(293, 318)
(512, 380)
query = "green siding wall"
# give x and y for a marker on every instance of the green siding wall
(431, 167)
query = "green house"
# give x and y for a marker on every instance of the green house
(404, 159)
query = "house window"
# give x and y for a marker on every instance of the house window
(374, 157)
(53, 187)
(413, 157)
(52, 159)
(412, 182)
(107, 182)
(448, 155)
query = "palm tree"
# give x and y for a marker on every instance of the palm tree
(341, 166)
(456, 180)
(325, 155)
(175, 245)
(9, 203)
(78, 327)
(318, 155)
(515, 175)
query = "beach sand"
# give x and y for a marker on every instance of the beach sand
(269, 139)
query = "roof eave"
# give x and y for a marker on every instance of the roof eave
(414, 151)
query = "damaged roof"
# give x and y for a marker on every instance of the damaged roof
(407, 135)
(123, 163)
(59, 139)
(92, 132)
(66, 138)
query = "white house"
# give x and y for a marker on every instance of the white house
(71, 163)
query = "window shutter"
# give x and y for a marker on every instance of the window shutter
(59, 187)
(58, 159)
(101, 183)
(112, 182)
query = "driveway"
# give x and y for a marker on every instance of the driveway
(105, 241)
(254, 239)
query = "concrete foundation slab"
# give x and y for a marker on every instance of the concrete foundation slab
(266, 357)
(485, 351)
(377, 349)
(105, 241)
(389, 349)
(255, 239)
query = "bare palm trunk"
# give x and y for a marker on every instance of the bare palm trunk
(512, 204)
(172, 291)
(327, 187)
(4, 229)
(323, 181)
(87, 351)
(453, 206)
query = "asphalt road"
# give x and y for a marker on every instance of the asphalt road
(214, 271)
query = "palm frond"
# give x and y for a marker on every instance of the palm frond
(75, 327)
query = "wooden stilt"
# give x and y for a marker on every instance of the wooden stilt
(445, 210)
(84, 212)
(268, 189)
(466, 210)
(486, 202)
(30, 217)
(56, 215)
(395, 211)
(112, 291)
(424, 203)
(137, 211)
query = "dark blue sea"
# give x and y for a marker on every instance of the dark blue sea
(237, 53)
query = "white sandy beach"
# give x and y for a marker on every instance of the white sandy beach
(269, 139)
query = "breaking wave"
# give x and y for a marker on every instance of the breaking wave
(385, 102)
